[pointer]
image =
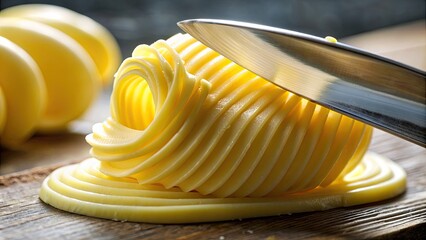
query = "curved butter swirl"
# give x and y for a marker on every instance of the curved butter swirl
(194, 133)
(83, 189)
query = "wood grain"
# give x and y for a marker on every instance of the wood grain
(24, 216)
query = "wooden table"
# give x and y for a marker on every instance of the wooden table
(24, 216)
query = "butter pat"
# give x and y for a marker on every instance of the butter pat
(193, 137)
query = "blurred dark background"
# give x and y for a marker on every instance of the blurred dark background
(143, 21)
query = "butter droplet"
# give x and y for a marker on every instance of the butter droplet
(331, 39)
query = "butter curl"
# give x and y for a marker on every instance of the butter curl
(232, 134)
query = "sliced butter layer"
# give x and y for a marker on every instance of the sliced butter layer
(194, 137)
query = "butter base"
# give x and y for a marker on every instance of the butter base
(83, 189)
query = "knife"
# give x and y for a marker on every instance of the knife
(375, 90)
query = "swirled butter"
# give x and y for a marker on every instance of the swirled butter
(193, 137)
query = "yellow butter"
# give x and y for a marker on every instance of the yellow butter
(83, 189)
(23, 94)
(331, 39)
(70, 76)
(52, 63)
(193, 137)
(3, 111)
(97, 41)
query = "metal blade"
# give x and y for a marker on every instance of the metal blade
(375, 90)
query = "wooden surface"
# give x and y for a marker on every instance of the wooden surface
(24, 216)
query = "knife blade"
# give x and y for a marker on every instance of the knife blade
(375, 90)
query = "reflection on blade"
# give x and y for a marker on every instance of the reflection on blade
(370, 88)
